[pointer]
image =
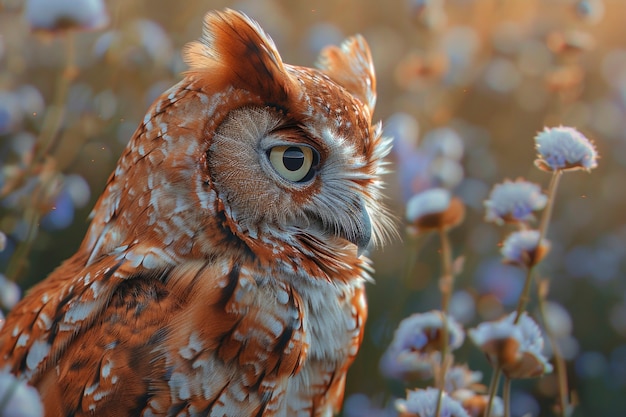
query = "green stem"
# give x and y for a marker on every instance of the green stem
(446, 284)
(559, 361)
(493, 388)
(543, 231)
(506, 397)
(547, 213)
(56, 114)
(50, 128)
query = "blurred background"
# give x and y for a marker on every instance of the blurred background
(463, 86)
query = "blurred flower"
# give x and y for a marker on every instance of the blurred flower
(565, 79)
(461, 45)
(61, 213)
(434, 209)
(360, 405)
(434, 163)
(558, 319)
(423, 403)
(476, 404)
(416, 338)
(17, 398)
(140, 44)
(11, 114)
(591, 11)
(569, 42)
(502, 75)
(522, 248)
(591, 364)
(322, 34)
(429, 14)
(60, 15)
(3, 241)
(461, 377)
(564, 148)
(10, 293)
(416, 70)
(514, 201)
(462, 306)
(463, 385)
(515, 348)
(443, 142)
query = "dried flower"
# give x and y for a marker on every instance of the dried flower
(514, 201)
(476, 404)
(516, 348)
(416, 344)
(423, 403)
(564, 148)
(461, 377)
(522, 248)
(60, 15)
(17, 398)
(434, 209)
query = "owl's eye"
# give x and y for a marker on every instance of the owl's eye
(294, 163)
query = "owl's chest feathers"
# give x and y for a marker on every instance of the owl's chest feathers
(285, 330)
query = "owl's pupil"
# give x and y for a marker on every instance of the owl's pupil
(293, 158)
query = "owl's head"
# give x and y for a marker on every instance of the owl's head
(248, 152)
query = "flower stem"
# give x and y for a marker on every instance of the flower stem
(543, 230)
(559, 361)
(446, 284)
(53, 120)
(493, 388)
(506, 397)
(547, 213)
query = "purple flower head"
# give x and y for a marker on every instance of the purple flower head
(522, 248)
(417, 338)
(514, 201)
(564, 148)
(58, 15)
(423, 403)
(516, 348)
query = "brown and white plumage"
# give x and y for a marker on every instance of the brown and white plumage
(214, 280)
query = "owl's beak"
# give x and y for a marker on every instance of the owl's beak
(361, 238)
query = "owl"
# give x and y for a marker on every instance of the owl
(223, 272)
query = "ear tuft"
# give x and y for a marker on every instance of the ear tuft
(351, 67)
(235, 50)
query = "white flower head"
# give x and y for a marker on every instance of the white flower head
(433, 201)
(23, 400)
(564, 148)
(516, 348)
(10, 293)
(423, 403)
(417, 338)
(434, 209)
(461, 377)
(522, 248)
(514, 201)
(476, 404)
(58, 15)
